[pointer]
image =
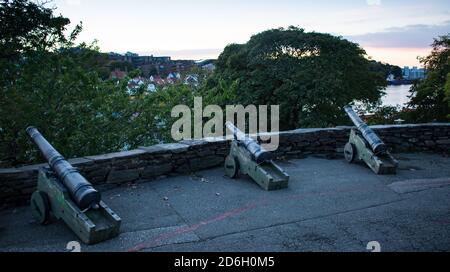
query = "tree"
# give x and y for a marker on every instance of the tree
(385, 69)
(397, 72)
(428, 97)
(56, 86)
(447, 91)
(385, 115)
(27, 26)
(164, 100)
(79, 113)
(310, 75)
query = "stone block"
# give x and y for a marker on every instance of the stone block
(154, 149)
(443, 142)
(123, 176)
(116, 155)
(152, 171)
(430, 143)
(175, 148)
(195, 144)
(206, 162)
(80, 162)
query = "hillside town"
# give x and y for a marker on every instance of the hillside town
(157, 71)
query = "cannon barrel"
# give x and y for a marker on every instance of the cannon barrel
(81, 191)
(258, 153)
(374, 141)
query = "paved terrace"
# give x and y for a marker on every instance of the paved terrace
(329, 206)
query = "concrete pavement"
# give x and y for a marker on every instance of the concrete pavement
(330, 205)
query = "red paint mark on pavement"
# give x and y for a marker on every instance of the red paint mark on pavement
(157, 241)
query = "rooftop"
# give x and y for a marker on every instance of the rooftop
(330, 205)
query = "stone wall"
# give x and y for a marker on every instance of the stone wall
(148, 163)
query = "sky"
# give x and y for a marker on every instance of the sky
(392, 31)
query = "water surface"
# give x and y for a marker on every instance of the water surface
(396, 95)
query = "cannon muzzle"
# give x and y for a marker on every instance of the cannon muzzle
(374, 141)
(258, 153)
(81, 191)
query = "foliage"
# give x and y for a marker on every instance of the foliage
(428, 97)
(27, 26)
(57, 87)
(76, 111)
(386, 115)
(164, 100)
(385, 69)
(397, 72)
(447, 91)
(310, 75)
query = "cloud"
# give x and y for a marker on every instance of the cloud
(373, 2)
(411, 36)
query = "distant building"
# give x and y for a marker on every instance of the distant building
(145, 60)
(135, 82)
(168, 70)
(117, 74)
(413, 73)
(131, 54)
(405, 72)
(390, 77)
(151, 87)
(207, 65)
(115, 56)
(191, 80)
(156, 80)
(174, 76)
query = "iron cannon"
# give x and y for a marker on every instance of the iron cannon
(250, 158)
(365, 145)
(63, 193)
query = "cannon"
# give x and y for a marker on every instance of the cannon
(248, 157)
(63, 193)
(364, 145)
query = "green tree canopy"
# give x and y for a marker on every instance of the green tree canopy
(385, 69)
(428, 101)
(25, 26)
(57, 87)
(310, 75)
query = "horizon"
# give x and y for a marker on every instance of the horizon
(394, 32)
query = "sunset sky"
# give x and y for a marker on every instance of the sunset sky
(391, 31)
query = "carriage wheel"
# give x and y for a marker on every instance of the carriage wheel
(349, 152)
(231, 167)
(40, 207)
